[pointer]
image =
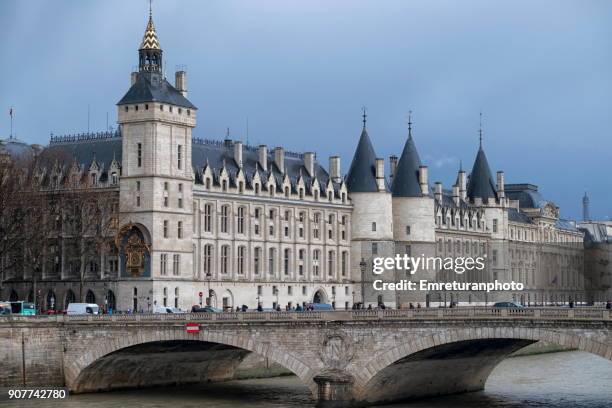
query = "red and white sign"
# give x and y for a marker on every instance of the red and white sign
(200, 294)
(192, 328)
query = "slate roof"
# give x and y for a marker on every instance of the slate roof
(596, 233)
(480, 182)
(566, 225)
(216, 154)
(151, 87)
(406, 178)
(515, 215)
(527, 195)
(361, 177)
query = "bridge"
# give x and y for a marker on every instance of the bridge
(346, 358)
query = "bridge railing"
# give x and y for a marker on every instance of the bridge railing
(460, 313)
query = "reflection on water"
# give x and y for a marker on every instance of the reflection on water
(561, 380)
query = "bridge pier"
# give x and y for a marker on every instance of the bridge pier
(335, 389)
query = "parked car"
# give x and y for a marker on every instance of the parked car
(162, 309)
(177, 310)
(82, 308)
(320, 306)
(205, 309)
(5, 308)
(507, 304)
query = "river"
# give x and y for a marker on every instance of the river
(560, 380)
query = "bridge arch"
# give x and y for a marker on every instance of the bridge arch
(78, 370)
(460, 360)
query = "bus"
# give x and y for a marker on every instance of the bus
(23, 308)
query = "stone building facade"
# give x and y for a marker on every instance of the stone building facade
(224, 223)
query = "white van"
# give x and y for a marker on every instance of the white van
(162, 309)
(82, 308)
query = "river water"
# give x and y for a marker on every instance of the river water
(560, 380)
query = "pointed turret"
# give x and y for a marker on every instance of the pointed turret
(361, 177)
(406, 181)
(481, 183)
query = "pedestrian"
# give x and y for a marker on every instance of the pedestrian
(609, 305)
(259, 308)
(411, 306)
(278, 308)
(370, 306)
(298, 308)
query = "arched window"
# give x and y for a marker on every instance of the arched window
(70, 298)
(110, 300)
(51, 300)
(90, 297)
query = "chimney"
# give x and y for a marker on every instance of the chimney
(133, 78)
(438, 191)
(309, 159)
(334, 169)
(456, 194)
(462, 184)
(423, 173)
(380, 174)
(263, 156)
(500, 185)
(279, 158)
(238, 153)
(392, 166)
(180, 82)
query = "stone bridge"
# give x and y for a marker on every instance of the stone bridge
(350, 358)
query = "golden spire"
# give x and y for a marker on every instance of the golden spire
(149, 40)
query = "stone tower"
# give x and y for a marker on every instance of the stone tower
(155, 240)
(413, 216)
(586, 215)
(372, 220)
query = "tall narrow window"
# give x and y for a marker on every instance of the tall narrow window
(241, 253)
(163, 264)
(165, 228)
(344, 263)
(224, 216)
(180, 229)
(316, 254)
(208, 217)
(224, 258)
(207, 264)
(176, 266)
(179, 161)
(240, 220)
(257, 260)
(330, 263)
(139, 154)
(271, 261)
(286, 261)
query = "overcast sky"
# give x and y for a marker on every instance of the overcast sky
(540, 71)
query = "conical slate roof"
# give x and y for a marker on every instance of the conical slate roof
(361, 177)
(406, 177)
(481, 182)
(149, 40)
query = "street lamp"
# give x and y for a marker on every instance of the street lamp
(208, 278)
(362, 266)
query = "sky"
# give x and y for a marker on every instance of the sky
(299, 73)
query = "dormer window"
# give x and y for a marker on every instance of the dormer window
(146, 106)
(94, 179)
(136, 108)
(170, 109)
(188, 112)
(127, 108)
(114, 179)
